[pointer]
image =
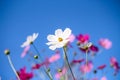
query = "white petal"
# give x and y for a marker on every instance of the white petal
(29, 38)
(51, 38)
(58, 32)
(51, 43)
(52, 47)
(60, 45)
(25, 44)
(67, 33)
(35, 35)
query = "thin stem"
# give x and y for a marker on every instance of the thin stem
(12, 66)
(66, 58)
(86, 57)
(48, 73)
(37, 51)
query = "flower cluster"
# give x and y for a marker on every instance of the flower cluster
(69, 63)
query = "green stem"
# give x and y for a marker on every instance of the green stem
(86, 57)
(66, 58)
(37, 51)
(12, 66)
(48, 73)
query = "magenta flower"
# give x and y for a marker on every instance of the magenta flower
(54, 58)
(83, 38)
(91, 48)
(86, 68)
(114, 64)
(78, 61)
(94, 48)
(103, 78)
(37, 66)
(105, 43)
(24, 75)
(101, 66)
(26, 49)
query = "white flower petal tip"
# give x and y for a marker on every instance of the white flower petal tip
(60, 39)
(30, 39)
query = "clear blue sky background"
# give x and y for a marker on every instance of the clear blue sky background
(20, 18)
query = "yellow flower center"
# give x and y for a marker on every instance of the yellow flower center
(60, 39)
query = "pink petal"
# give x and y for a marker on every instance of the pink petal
(86, 67)
(71, 38)
(26, 49)
(54, 58)
(105, 43)
(103, 78)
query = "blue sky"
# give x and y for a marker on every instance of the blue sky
(20, 18)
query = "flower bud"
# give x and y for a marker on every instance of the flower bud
(7, 52)
(31, 42)
(48, 70)
(95, 71)
(59, 70)
(35, 56)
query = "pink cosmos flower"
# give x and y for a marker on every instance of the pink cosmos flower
(105, 43)
(114, 64)
(26, 49)
(24, 75)
(54, 58)
(101, 66)
(103, 78)
(59, 74)
(83, 38)
(86, 68)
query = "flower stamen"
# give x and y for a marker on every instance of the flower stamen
(60, 39)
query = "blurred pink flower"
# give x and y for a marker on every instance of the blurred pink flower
(54, 58)
(103, 78)
(59, 74)
(114, 64)
(113, 60)
(26, 49)
(105, 43)
(94, 78)
(24, 75)
(71, 38)
(83, 38)
(101, 66)
(86, 68)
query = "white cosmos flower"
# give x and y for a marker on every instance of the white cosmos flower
(59, 39)
(30, 39)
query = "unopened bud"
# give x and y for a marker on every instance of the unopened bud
(36, 57)
(48, 70)
(59, 70)
(7, 51)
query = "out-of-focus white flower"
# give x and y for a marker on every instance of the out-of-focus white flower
(60, 39)
(86, 45)
(30, 39)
